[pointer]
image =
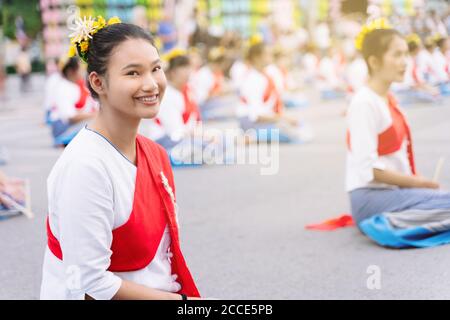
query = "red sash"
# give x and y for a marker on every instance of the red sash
(218, 83)
(190, 107)
(136, 242)
(391, 140)
(271, 90)
(84, 94)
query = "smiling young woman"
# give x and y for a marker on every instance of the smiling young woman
(112, 223)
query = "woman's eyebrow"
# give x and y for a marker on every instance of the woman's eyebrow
(157, 61)
(138, 65)
(132, 65)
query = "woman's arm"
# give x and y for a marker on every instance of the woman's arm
(133, 291)
(86, 220)
(403, 180)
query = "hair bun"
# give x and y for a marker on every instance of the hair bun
(83, 32)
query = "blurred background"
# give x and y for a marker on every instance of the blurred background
(243, 233)
(41, 26)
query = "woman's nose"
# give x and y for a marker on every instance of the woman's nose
(150, 83)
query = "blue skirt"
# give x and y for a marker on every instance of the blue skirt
(402, 218)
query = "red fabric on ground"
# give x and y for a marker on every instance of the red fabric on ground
(343, 221)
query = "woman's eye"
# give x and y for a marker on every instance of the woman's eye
(157, 68)
(132, 73)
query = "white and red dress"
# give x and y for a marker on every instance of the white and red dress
(109, 220)
(379, 137)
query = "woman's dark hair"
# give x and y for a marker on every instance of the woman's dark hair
(178, 62)
(71, 65)
(376, 43)
(413, 46)
(255, 51)
(441, 42)
(103, 43)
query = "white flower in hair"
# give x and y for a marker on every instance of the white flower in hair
(82, 30)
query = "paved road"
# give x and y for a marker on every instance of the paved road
(243, 233)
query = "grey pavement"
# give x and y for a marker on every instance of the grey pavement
(244, 234)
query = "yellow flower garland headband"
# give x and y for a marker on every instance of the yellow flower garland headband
(174, 53)
(414, 38)
(83, 32)
(376, 24)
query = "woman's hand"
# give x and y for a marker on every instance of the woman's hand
(402, 180)
(291, 120)
(427, 184)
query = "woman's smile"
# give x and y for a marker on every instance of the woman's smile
(149, 100)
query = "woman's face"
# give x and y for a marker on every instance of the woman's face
(263, 59)
(135, 82)
(446, 46)
(393, 66)
(266, 57)
(196, 60)
(75, 75)
(180, 75)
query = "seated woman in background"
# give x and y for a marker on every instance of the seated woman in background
(280, 72)
(210, 89)
(414, 88)
(174, 128)
(71, 107)
(261, 108)
(390, 201)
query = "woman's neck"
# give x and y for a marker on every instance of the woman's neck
(176, 85)
(259, 68)
(121, 131)
(379, 86)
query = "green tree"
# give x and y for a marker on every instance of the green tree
(28, 9)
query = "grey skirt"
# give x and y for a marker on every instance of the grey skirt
(367, 202)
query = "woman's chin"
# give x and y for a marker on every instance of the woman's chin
(148, 113)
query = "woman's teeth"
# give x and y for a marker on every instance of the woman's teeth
(149, 99)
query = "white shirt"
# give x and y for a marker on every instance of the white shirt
(65, 96)
(90, 193)
(51, 83)
(322, 36)
(440, 66)
(310, 64)
(328, 74)
(170, 116)
(367, 117)
(238, 72)
(252, 90)
(409, 80)
(278, 77)
(202, 82)
(424, 61)
(357, 74)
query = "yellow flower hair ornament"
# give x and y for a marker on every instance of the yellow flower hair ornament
(377, 24)
(174, 53)
(255, 39)
(414, 38)
(83, 31)
(216, 53)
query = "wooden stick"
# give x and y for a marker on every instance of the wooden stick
(439, 166)
(27, 194)
(11, 202)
